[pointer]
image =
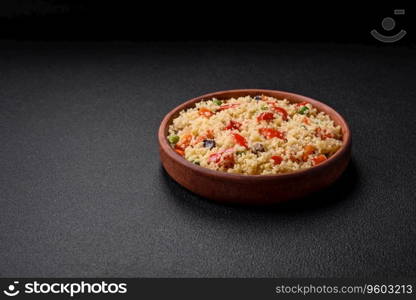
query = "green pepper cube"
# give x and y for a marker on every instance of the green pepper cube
(173, 139)
(217, 102)
(264, 107)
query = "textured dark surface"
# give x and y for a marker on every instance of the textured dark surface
(82, 190)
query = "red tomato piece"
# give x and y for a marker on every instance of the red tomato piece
(281, 111)
(184, 141)
(240, 140)
(215, 157)
(319, 159)
(277, 159)
(305, 120)
(228, 151)
(227, 106)
(323, 133)
(225, 158)
(303, 103)
(203, 111)
(294, 159)
(228, 158)
(180, 151)
(210, 134)
(308, 150)
(233, 125)
(270, 133)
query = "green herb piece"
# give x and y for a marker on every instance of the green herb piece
(173, 139)
(217, 102)
(303, 110)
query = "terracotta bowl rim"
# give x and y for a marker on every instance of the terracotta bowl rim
(167, 120)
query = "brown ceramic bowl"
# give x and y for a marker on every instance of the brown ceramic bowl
(253, 189)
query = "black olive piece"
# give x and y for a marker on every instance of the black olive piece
(209, 144)
(258, 148)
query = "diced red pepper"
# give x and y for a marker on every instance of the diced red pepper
(203, 111)
(319, 159)
(270, 133)
(281, 111)
(265, 116)
(184, 141)
(323, 133)
(225, 158)
(277, 159)
(308, 150)
(228, 151)
(198, 140)
(294, 159)
(210, 134)
(215, 157)
(233, 125)
(240, 140)
(306, 121)
(228, 159)
(180, 151)
(227, 106)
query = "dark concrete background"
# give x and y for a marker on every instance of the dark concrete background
(213, 20)
(82, 192)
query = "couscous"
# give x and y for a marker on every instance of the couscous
(254, 135)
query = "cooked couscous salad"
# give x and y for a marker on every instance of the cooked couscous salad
(254, 135)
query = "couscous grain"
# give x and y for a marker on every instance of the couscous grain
(254, 135)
